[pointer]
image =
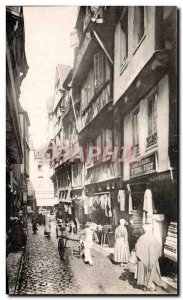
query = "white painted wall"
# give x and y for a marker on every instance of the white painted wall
(162, 129)
(137, 60)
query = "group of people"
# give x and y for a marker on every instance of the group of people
(147, 251)
(47, 223)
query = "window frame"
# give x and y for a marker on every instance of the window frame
(125, 61)
(153, 96)
(97, 70)
(137, 45)
(135, 112)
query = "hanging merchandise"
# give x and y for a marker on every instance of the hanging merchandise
(99, 200)
(65, 208)
(105, 205)
(90, 201)
(130, 207)
(148, 206)
(121, 199)
(69, 210)
(102, 202)
(109, 204)
(96, 199)
(115, 221)
(86, 205)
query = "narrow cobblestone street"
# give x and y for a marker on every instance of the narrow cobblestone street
(43, 271)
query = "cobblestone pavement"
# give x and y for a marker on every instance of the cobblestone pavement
(44, 272)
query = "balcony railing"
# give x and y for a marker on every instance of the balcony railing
(151, 140)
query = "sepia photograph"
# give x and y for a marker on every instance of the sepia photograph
(91, 150)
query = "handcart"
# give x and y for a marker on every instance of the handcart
(67, 240)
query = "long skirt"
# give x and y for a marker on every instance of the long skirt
(148, 277)
(121, 251)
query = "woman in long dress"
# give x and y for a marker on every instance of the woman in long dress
(121, 247)
(47, 225)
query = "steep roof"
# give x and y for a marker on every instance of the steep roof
(61, 74)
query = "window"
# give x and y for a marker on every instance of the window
(139, 24)
(76, 175)
(135, 125)
(124, 38)
(152, 114)
(99, 69)
(87, 91)
(98, 144)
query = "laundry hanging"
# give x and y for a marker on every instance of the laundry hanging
(121, 199)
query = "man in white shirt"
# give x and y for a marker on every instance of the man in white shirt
(87, 236)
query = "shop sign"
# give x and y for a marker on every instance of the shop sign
(144, 166)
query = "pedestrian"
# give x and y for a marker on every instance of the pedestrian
(121, 247)
(87, 237)
(34, 223)
(148, 251)
(47, 230)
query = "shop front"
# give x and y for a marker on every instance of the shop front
(154, 200)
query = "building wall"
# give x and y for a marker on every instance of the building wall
(44, 190)
(139, 54)
(162, 129)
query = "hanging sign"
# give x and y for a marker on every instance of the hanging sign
(144, 166)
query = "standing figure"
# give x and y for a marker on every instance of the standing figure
(148, 251)
(47, 230)
(121, 247)
(34, 223)
(87, 237)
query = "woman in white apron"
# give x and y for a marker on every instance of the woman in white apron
(121, 247)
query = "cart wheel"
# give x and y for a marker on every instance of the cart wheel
(61, 248)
